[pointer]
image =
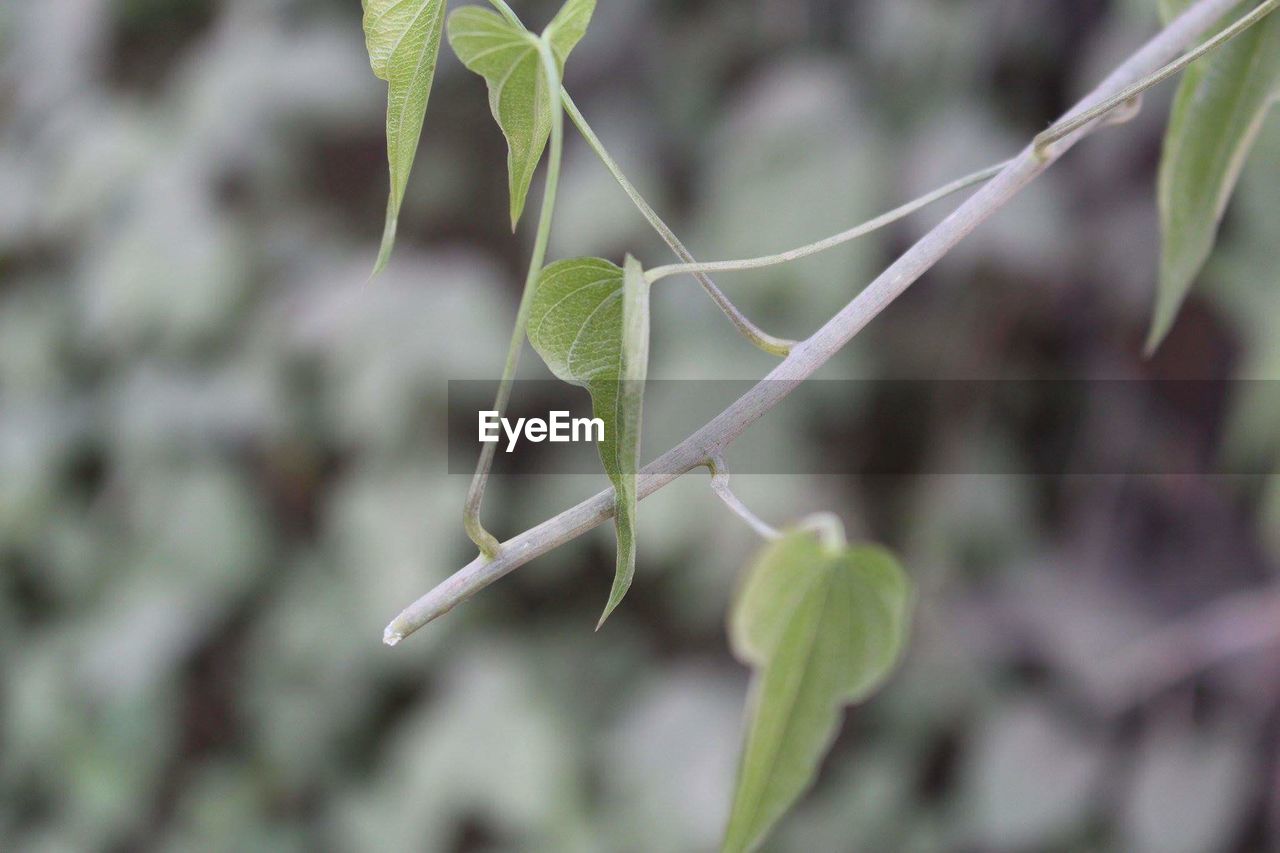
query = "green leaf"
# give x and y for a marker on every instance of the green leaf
(590, 323)
(1216, 116)
(403, 39)
(823, 627)
(506, 56)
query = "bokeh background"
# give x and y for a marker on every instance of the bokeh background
(223, 466)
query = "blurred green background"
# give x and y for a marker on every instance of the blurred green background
(222, 452)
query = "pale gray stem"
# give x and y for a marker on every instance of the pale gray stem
(809, 355)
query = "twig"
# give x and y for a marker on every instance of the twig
(709, 441)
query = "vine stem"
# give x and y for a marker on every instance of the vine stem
(749, 330)
(710, 441)
(483, 539)
(658, 273)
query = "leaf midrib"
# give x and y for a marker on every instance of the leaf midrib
(811, 641)
(587, 377)
(381, 16)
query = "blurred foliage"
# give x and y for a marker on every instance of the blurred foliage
(222, 453)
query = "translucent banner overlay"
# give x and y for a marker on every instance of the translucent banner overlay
(911, 427)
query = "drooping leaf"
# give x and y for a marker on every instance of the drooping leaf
(822, 627)
(403, 40)
(590, 323)
(1217, 113)
(507, 57)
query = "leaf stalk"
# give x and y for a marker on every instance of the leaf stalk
(811, 354)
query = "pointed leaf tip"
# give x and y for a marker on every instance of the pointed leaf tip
(403, 41)
(822, 627)
(590, 323)
(1216, 117)
(1161, 325)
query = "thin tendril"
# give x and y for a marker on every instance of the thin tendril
(854, 233)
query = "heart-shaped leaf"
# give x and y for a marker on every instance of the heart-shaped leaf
(823, 627)
(507, 57)
(1216, 116)
(590, 323)
(403, 39)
